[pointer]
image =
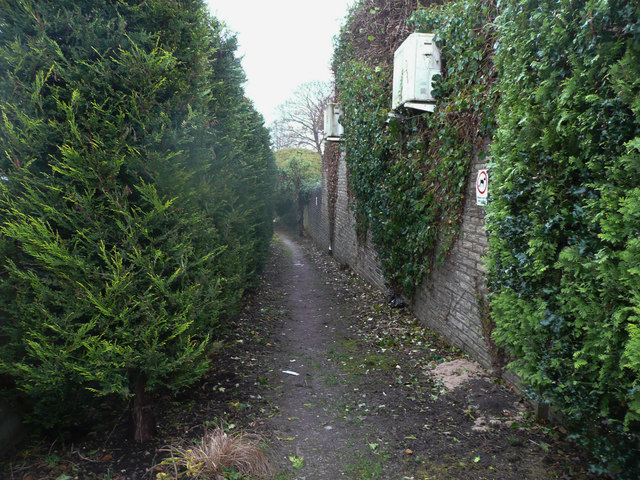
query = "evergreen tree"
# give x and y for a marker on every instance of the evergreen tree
(121, 252)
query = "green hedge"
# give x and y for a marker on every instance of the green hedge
(564, 215)
(136, 200)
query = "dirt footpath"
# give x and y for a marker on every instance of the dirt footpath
(347, 389)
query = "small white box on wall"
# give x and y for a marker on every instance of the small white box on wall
(332, 128)
(415, 63)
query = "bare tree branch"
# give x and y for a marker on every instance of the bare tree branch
(301, 118)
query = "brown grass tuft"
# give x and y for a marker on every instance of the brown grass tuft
(218, 451)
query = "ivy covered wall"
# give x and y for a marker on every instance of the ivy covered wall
(408, 173)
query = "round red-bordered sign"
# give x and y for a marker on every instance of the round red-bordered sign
(482, 182)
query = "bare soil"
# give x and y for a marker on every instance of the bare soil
(339, 385)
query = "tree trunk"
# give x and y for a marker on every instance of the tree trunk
(141, 413)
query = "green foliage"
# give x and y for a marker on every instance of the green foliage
(136, 201)
(564, 215)
(408, 175)
(311, 160)
(299, 172)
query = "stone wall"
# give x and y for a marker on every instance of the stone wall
(360, 256)
(450, 300)
(316, 216)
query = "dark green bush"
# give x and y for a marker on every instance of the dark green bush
(136, 201)
(564, 215)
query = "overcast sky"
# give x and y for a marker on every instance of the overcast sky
(283, 43)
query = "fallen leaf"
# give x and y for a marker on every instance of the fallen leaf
(107, 457)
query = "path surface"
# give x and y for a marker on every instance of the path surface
(309, 424)
(345, 391)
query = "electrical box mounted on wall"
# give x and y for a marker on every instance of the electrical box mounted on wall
(415, 63)
(332, 128)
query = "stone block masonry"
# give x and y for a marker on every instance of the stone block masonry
(316, 216)
(449, 301)
(361, 257)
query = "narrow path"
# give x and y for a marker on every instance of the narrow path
(308, 427)
(343, 389)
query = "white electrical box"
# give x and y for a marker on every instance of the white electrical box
(415, 63)
(332, 128)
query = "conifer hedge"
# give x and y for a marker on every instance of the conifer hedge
(564, 215)
(135, 200)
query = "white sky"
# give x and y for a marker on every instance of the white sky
(283, 43)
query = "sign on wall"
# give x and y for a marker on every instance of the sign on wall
(482, 187)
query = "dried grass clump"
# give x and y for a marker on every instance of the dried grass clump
(219, 451)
